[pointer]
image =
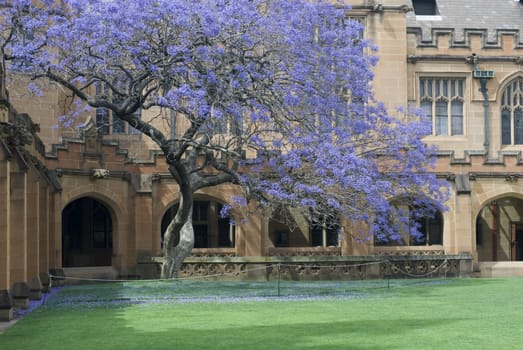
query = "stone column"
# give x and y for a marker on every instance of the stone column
(143, 228)
(254, 237)
(345, 238)
(5, 265)
(18, 237)
(146, 244)
(32, 236)
(55, 231)
(464, 238)
(43, 228)
(18, 228)
(357, 239)
(460, 220)
(6, 305)
(255, 234)
(43, 236)
(156, 216)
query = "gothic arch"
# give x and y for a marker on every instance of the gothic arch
(496, 193)
(87, 233)
(499, 227)
(106, 196)
(507, 80)
(211, 230)
(118, 217)
(510, 99)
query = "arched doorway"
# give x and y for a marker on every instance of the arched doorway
(87, 234)
(499, 230)
(211, 230)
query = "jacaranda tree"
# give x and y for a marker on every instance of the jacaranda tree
(276, 96)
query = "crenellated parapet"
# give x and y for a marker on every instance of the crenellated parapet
(505, 162)
(502, 39)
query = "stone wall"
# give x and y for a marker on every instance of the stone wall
(27, 223)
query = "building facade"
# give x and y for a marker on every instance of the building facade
(73, 200)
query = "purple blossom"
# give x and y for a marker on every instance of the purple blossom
(297, 71)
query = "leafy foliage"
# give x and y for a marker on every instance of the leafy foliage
(276, 97)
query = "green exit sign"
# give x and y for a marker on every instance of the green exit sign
(483, 73)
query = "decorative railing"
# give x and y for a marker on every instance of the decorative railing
(402, 251)
(321, 267)
(305, 251)
(213, 252)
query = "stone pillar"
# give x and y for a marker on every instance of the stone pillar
(35, 288)
(32, 235)
(55, 230)
(255, 234)
(241, 236)
(156, 215)
(123, 240)
(255, 237)
(6, 300)
(46, 282)
(43, 229)
(357, 240)
(461, 221)
(5, 265)
(57, 277)
(18, 238)
(147, 233)
(21, 292)
(18, 228)
(143, 218)
(465, 237)
(6, 305)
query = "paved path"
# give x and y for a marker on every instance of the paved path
(5, 325)
(33, 304)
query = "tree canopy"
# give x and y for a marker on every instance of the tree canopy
(276, 96)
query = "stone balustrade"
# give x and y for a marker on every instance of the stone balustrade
(319, 267)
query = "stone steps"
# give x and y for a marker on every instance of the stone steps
(77, 275)
(499, 269)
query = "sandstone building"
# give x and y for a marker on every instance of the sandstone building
(89, 203)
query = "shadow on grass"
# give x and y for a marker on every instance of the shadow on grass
(356, 335)
(115, 317)
(108, 329)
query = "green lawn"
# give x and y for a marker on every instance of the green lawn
(409, 314)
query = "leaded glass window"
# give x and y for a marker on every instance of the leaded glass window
(106, 121)
(512, 113)
(442, 101)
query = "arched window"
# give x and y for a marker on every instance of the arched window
(430, 230)
(211, 230)
(512, 113)
(324, 232)
(291, 227)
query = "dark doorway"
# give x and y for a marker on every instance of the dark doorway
(517, 241)
(87, 234)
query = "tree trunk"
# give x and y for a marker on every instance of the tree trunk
(174, 255)
(3, 79)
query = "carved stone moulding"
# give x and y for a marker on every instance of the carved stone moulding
(99, 173)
